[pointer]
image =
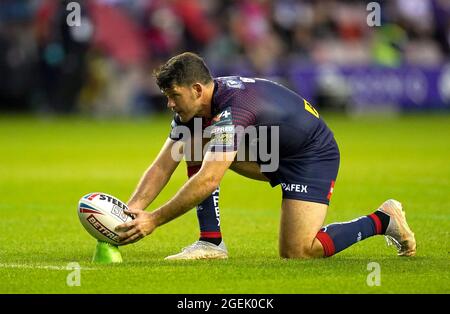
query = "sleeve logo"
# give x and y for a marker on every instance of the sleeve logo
(224, 115)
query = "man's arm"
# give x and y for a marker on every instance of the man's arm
(195, 190)
(156, 176)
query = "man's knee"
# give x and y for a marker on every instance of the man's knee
(305, 251)
(300, 222)
(297, 253)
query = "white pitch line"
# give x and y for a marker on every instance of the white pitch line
(48, 267)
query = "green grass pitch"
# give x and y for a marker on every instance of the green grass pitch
(46, 165)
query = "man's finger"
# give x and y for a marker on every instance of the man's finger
(125, 227)
(134, 238)
(132, 212)
(123, 236)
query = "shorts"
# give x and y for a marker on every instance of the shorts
(309, 178)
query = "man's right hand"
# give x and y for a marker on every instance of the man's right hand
(142, 225)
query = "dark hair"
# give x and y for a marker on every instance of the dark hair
(184, 69)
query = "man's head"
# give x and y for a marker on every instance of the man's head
(186, 81)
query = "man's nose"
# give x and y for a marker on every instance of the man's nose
(170, 104)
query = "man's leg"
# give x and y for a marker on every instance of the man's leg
(210, 244)
(301, 232)
(388, 220)
(299, 225)
(248, 169)
(207, 212)
(301, 235)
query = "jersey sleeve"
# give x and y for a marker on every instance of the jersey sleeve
(178, 128)
(228, 128)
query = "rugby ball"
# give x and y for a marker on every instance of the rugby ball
(100, 214)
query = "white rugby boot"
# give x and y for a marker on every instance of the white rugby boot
(201, 250)
(398, 232)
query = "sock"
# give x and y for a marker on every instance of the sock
(208, 214)
(339, 236)
(384, 220)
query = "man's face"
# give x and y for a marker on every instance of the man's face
(182, 100)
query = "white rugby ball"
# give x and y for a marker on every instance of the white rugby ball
(100, 214)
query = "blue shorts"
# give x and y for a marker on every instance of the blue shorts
(309, 178)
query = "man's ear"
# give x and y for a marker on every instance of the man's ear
(198, 90)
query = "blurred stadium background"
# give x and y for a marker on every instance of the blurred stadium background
(323, 49)
(91, 118)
